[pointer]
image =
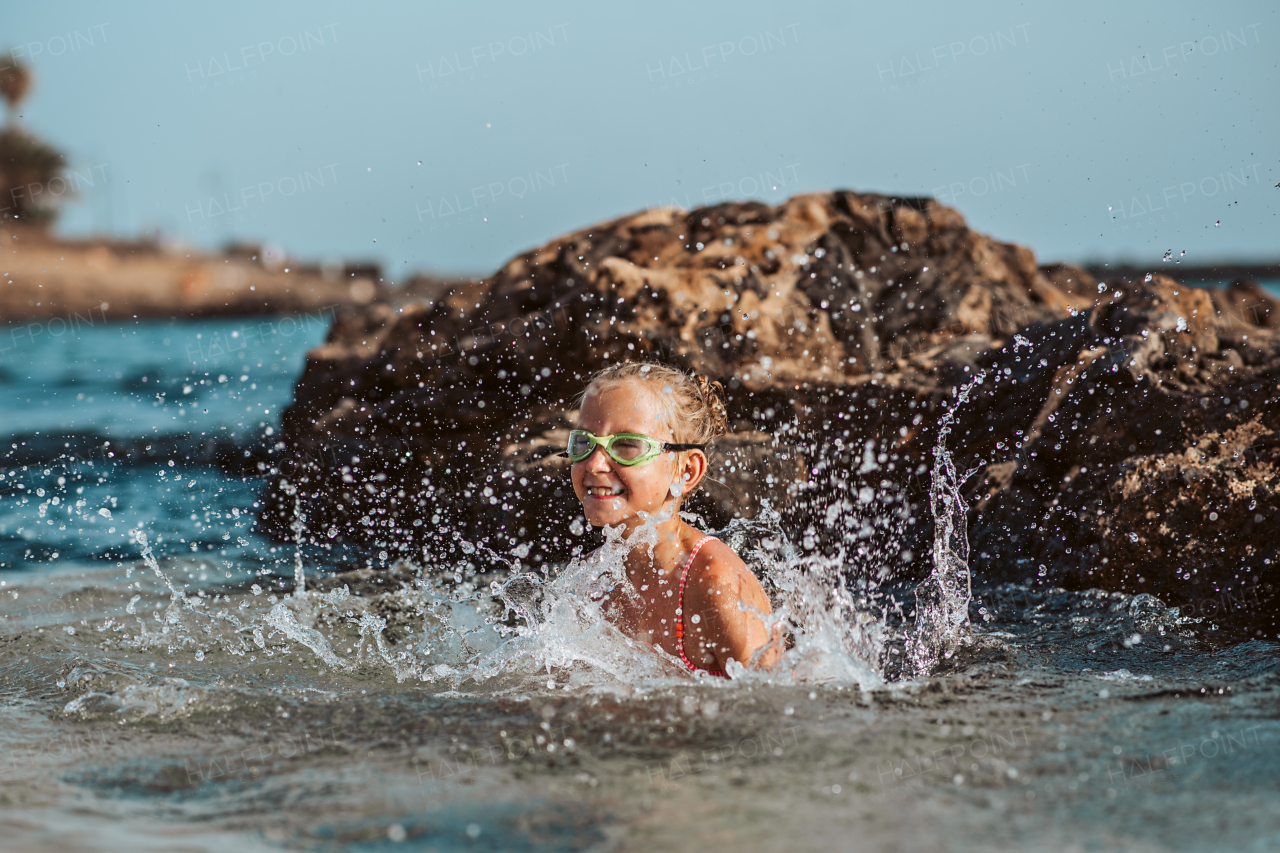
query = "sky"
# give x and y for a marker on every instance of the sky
(449, 137)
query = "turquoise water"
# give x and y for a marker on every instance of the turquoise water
(176, 705)
(160, 423)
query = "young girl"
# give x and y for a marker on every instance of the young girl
(638, 451)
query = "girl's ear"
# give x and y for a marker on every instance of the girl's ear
(693, 470)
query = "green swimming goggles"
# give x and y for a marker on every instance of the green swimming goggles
(625, 448)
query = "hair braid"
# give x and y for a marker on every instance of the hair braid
(695, 403)
(712, 394)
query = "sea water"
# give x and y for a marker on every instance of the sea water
(172, 680)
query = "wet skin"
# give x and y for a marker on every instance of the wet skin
(723, 599)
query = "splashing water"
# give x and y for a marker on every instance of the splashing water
(548, 631)
(534, 631)
(298, 526)
(835, 639)
(942, 600)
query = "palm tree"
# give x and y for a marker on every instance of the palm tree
(30, 171)
(15, 82)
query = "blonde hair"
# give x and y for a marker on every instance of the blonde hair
(696, 412)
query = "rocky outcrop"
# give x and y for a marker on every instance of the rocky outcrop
(842, 326)
(1154, 465)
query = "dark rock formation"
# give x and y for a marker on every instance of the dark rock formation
(1154, 464)
(842, 326)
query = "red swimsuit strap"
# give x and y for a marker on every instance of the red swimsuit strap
(684, 575)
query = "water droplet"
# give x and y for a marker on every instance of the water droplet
(1133, 537)
(1148, 277)
(199, 654)
(1102, 287)
(695, 619)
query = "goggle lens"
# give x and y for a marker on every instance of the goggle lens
(580, 445)
(628, 449)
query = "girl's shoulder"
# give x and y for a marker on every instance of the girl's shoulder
(715, 557)
(718, 580)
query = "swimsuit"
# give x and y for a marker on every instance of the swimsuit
(684, 574)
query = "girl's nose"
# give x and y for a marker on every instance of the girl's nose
(598, 460)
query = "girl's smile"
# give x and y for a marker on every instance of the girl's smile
(603, 491)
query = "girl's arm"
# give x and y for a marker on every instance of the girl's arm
(729, 602)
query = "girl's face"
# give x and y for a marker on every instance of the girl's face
(614, 494)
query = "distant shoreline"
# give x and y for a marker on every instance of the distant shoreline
(49, 281)
(1189, 273)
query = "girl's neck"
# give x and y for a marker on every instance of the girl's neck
(645, 560)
